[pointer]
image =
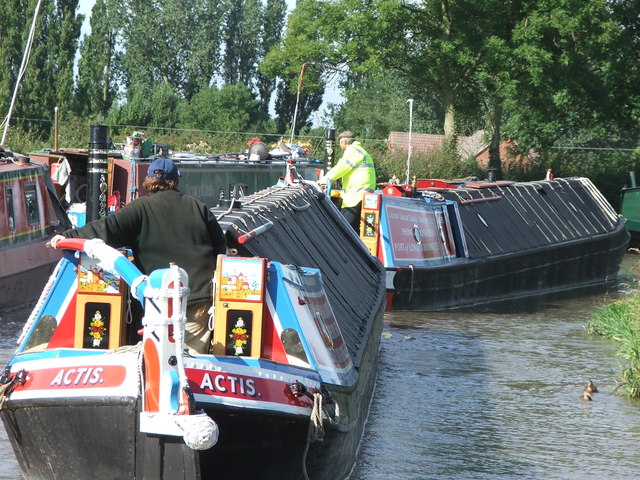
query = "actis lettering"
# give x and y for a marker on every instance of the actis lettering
(78, 376)
(226, 384)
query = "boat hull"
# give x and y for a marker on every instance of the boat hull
(74, 437)
(24, 271)
(72, 400)
(630, 209)
(518, 280)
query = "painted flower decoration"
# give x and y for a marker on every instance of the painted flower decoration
(97, 329)
(239, 336)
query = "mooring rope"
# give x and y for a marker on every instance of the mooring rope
(317, 427)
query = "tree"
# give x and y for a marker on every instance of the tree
(152, 106)
(97, 83)
(560, 52)
(378, 105)
(272, 25)
(242, 41)
(48, 81)
(231, 108)
(12, 38)
(175, 42)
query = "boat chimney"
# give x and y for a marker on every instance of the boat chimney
(328, 147)
(632, 178)
(97, 173)
(492, 175)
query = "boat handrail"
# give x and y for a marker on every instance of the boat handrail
(111, 260)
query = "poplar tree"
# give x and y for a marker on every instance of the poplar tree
(175, 42)
(272, 29)
(242, 31)
(12, 38)
(97, 82)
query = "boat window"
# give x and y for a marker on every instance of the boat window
(11, 217)
(292, 344)
(31, 199)
(43, 332)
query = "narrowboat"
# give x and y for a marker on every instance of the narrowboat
(630, 210)
(481, 245)
(29, 214)
(283, 393)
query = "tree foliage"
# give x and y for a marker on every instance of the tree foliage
(545, 73)
(48, 81)
(97, 84)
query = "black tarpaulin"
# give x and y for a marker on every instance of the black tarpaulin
(308, 231)
(499, 218)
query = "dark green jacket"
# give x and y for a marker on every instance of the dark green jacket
(164, 227)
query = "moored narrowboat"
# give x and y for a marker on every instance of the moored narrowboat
(28, 217)
(492, 245)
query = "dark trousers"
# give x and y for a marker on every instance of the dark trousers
(352, 216)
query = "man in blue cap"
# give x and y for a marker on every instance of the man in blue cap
(167, 226)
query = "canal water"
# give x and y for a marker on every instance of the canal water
(482, 396)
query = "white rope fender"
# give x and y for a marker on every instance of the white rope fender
(200, 432)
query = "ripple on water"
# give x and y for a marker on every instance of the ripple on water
(498, 396)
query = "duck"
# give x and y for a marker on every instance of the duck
(590, 388)
(586, 396)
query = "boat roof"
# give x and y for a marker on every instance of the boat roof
(307, 232)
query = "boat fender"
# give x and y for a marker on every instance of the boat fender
(200, 432)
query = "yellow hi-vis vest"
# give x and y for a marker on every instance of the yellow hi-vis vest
(357, 172)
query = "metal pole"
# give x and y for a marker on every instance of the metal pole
(295, 113)
(410, 102)
(55, 130)
(97, 172)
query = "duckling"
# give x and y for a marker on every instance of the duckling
(590, 388)
(586, 396)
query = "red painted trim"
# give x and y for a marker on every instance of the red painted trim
(151, 377)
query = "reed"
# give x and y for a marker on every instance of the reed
(620, 321)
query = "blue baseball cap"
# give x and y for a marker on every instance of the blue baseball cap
(168, 168)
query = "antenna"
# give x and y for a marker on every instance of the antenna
(295, 113)
(23, 68)
(410, 102)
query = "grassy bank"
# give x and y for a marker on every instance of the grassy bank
(620, 321)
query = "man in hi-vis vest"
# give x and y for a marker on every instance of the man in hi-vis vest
(358, 174)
